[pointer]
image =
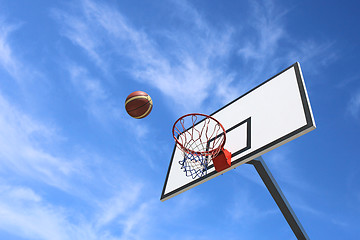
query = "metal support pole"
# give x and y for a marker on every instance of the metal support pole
(279, 198)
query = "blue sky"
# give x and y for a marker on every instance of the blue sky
(74, 165)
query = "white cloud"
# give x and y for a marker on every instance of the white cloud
(287, 174)
(244, 209)
(80, 34)
(317, 211)
(23, 213)
(261, 44)
(269, 29)
(34, 153)
(189, 63)
(11, 61)
(97, 98)
(354, 105)
(314, 54)
(21, 139)
(119, 204)
(187, 74)
(249, 172)
(280, 165)
(121, 215)
(137, 223)
(7, 58)
(19, 193)
(125, 210)
(268, 45)
(99, 103)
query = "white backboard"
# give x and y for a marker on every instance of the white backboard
(273, 113)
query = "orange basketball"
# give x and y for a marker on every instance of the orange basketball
(138, 104)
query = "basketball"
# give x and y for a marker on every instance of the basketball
(138, 104)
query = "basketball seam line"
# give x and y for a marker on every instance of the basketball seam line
(149, 109)
(149, 101)
(138, 107)
(136, 97)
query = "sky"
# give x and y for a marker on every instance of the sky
(74, 165)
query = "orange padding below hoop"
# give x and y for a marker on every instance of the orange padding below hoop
(222, 161)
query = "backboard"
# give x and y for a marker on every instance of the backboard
(268, 116)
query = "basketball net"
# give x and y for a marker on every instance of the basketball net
(201, 138)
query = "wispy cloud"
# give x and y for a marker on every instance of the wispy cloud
(97, 99)
(22, 152)
(269, 30)
(243, 208)
(7, 59)
(191, 69)
(100, 103)
(269, 46)
(318, 212)
(315, 54)
(12, 61)
(249, 173)
(82, 35)
(35, 155)
(119, 212)
(189, 64)
(280, 164)
(25, 213)
(261, 47)
(354, 105)
(126, 210)
(103, 108)
(119, 204)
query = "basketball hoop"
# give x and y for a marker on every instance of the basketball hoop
(201, 138)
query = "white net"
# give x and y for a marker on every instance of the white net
(201, 138)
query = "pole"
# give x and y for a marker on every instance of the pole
(279, 198)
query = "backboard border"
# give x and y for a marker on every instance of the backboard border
(310, 125)
(248, 137)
